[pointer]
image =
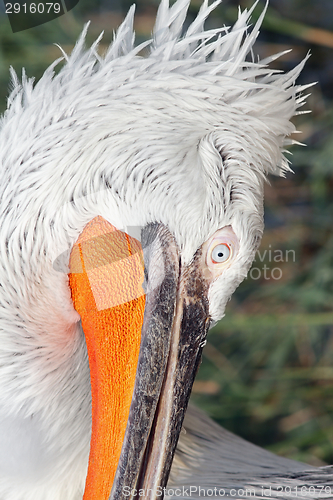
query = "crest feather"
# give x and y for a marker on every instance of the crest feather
(219, 62)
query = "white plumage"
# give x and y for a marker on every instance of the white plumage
(185, 137)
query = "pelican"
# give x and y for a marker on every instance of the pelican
(131, 209)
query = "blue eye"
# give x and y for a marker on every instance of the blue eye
(220, 253)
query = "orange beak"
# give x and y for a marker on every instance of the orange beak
(136, 353)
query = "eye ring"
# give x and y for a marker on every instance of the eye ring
(221, 253)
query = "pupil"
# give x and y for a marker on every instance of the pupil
(220, 254)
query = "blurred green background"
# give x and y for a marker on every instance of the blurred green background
(267, 371)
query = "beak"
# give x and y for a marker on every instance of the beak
(144, 346)
(176, 322)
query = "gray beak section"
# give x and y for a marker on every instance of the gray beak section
(175, 325)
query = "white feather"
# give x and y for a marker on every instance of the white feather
(185, 137)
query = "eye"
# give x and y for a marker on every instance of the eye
(221, 249)
(221, 253)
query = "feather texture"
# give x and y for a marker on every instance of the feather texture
(184, 136)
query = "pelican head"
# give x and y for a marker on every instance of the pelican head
(131, 208)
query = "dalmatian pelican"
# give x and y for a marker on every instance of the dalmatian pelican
(131, 207)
